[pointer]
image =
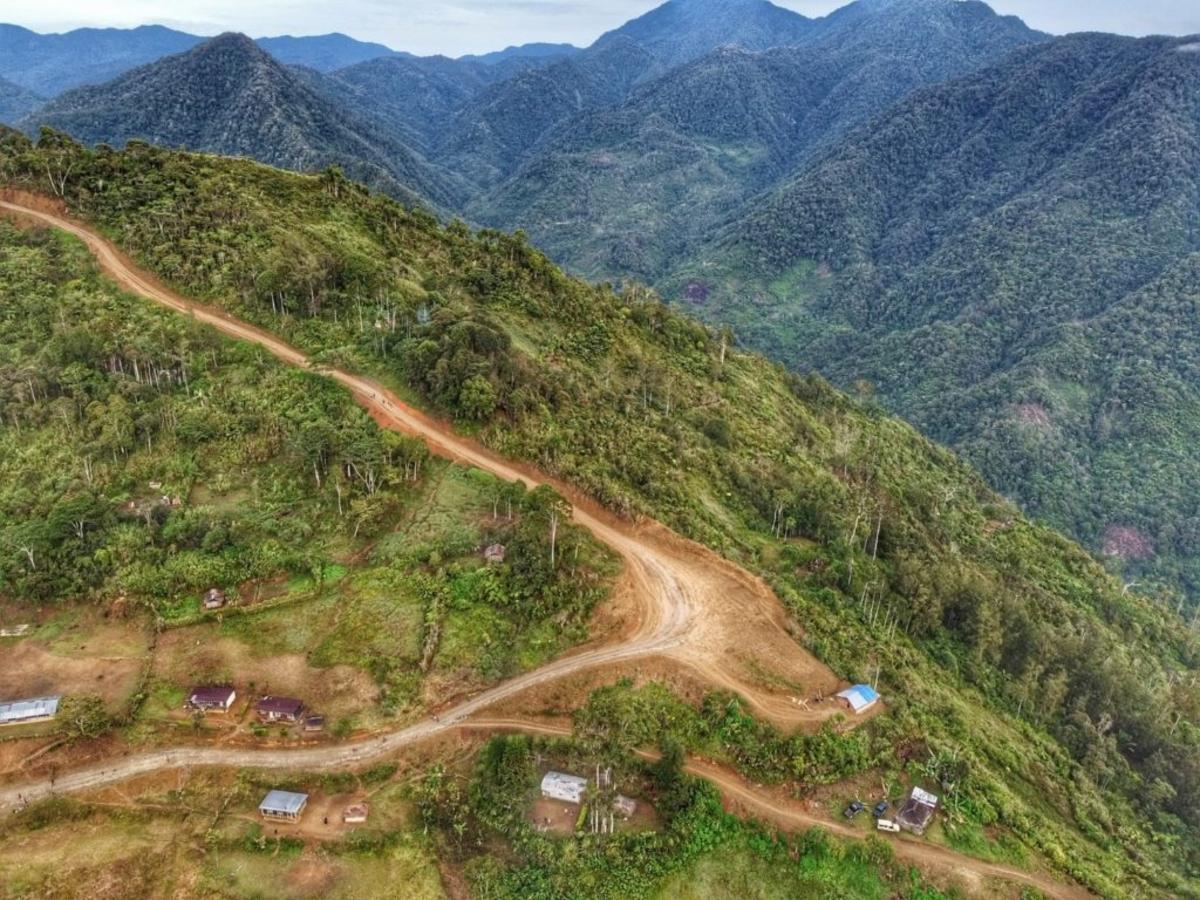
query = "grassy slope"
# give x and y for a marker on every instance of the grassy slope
(852, 515)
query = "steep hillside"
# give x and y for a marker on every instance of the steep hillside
(682, 30)
(422, 95)
(1008, 260)
(228, 96)
(1059, 711)
(16, 102)
(49, 64)
(627, 191)
(491, 134)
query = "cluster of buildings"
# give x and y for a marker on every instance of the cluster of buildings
(573, 789)
(220, 698)
(288, 807)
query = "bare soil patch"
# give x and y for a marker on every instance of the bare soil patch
(189, 656)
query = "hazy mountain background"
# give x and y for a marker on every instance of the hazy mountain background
(16, 102)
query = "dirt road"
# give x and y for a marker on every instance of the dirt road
(790, 815)
(687, 602)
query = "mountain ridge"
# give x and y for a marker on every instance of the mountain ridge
(230, 96)
(695, 143)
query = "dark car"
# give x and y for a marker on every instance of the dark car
(853, 810)
(880, 808)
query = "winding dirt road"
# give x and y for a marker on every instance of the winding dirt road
(688, 603)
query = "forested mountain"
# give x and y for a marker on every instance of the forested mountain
(1010, 261)
(488, 137)
(628, 189)
(421, 95)
(682, 30)
(16, 102)
(535, 51)
(1059, 710)
(49, 64)
(229, 96)
(323, 52)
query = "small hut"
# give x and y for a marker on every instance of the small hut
(561, 786)
(355, 814)
(859, 698)
(494, 554)
(917, 811)
(283, 806)
(214, 598)
(279, 709)
(215, 698)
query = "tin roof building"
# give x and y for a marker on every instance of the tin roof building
(561, 786)
(859, 698)
(28, 710)
(218, 696)
(284, 805)
(918, 810)
(279, 709)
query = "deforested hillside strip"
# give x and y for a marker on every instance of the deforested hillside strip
(228, 96)
(630, 190)
(855, 519)
(1005, 259)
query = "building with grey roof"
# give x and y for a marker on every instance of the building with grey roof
(283, 805)
(28, 710)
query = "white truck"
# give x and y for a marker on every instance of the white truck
(887, 825)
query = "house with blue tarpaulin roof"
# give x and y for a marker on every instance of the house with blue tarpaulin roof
(859, 697)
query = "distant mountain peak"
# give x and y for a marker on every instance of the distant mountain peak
(228, 95)
(230, 40)
(682, 30)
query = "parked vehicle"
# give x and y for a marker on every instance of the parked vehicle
(853, 809)
(880, 808)
(887, 825)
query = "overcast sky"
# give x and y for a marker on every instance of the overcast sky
(455, 27)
